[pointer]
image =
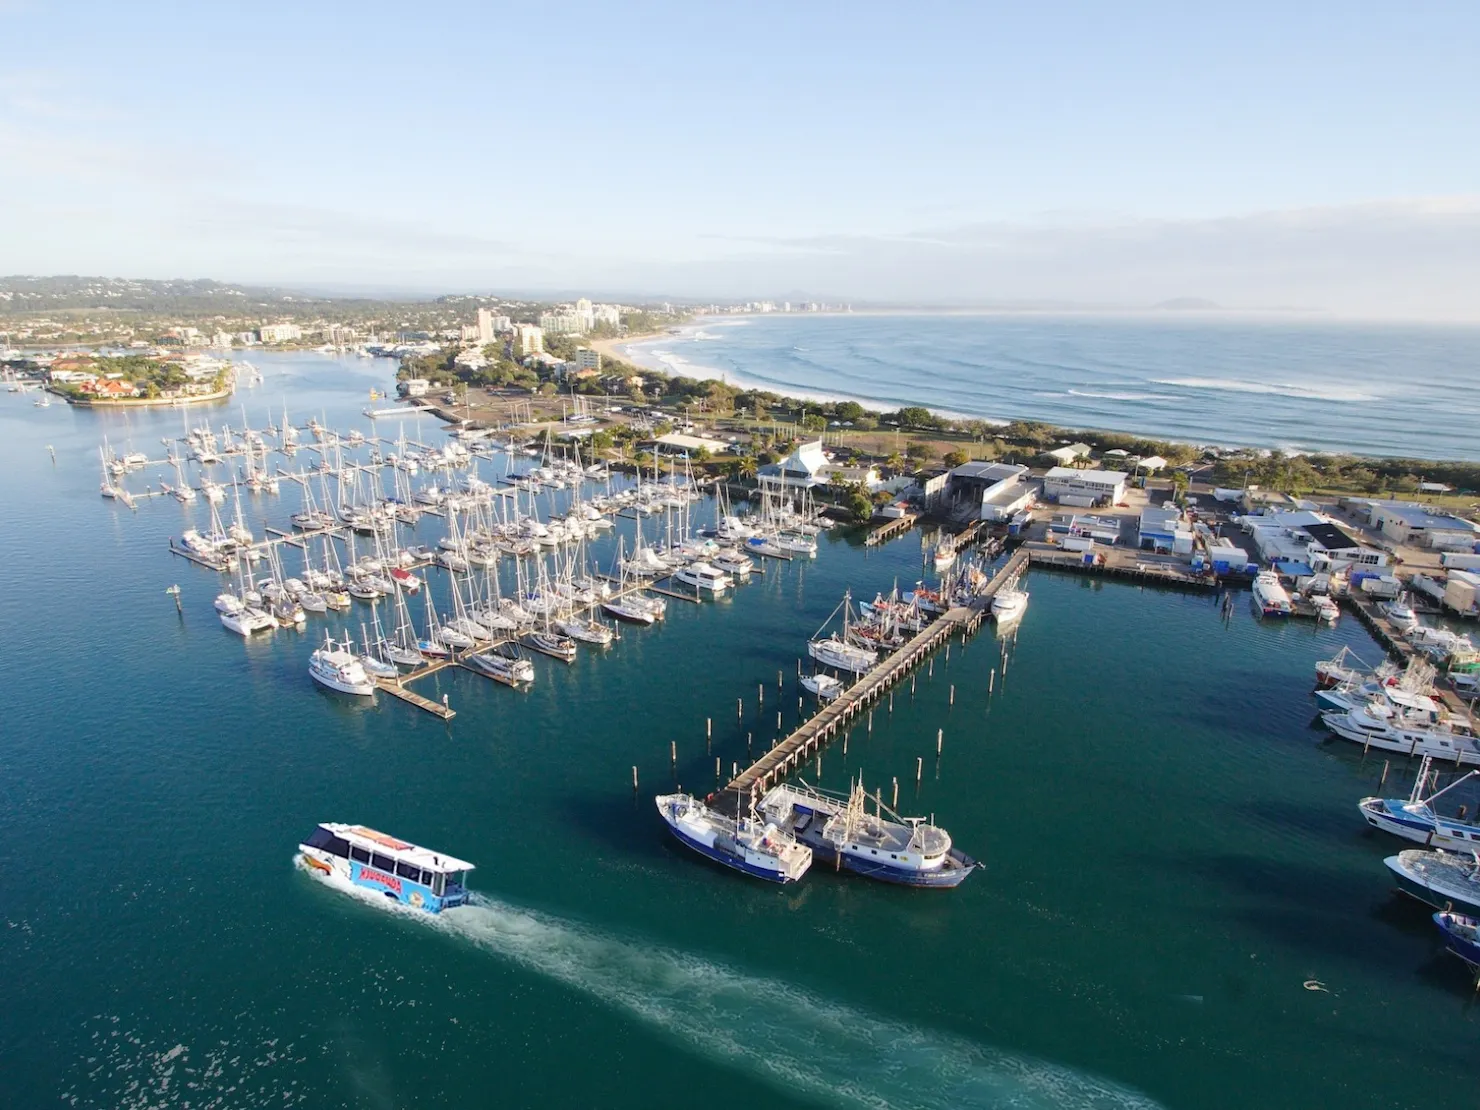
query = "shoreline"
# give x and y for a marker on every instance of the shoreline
(144, 402)
(682, 366)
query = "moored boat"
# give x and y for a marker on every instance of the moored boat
(744, 843)
(354, 856)
(1446, 818)
(825, 686)
(1270, 596)
(501, 668)
(1009, 603)
(1445, 880)
(908, 851)
(339, 669)
(1461, 935)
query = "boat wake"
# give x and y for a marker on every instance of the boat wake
(802, 1042)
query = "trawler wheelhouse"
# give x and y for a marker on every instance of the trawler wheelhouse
(401, 871)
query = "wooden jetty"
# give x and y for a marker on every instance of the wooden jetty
(812, 735)
(396, 688)
(1140, 571)
(889, 530)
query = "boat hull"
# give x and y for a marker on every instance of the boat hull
(1438, 897)
(734, 863)
(946, 877)
(1459, 936)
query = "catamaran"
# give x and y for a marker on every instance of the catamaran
(356, 856)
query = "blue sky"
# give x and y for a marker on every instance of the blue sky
(1259, 154)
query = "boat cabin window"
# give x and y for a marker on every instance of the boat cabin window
(406, 871)
(359, 855)
(439, 883)
(383, 863)
(326, 841)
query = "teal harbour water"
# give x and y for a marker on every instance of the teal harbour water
(1171, 851)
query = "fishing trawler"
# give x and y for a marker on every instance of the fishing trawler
(1445, 880)
(1445, 818)
(880, 845)
(354, 856)
(743, 843)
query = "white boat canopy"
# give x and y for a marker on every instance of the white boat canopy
(372, 841)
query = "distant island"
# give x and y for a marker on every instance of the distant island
(1187, 304)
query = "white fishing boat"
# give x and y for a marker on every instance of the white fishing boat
(1271, 597)
(839, 651)
(824, 686)
(338, 668)
(836, 652)
(745, 844)
(1444, 818)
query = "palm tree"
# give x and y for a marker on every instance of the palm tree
(748, 466)
(895, 461)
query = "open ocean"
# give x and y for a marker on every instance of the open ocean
(1308, 385)
(1171, 850)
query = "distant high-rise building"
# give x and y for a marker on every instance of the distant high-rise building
(279, 333)
(564, 323)
(608, 314)
(588, 358)
(528, 340)
(485, 326)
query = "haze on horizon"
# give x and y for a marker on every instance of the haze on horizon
(1263, 155)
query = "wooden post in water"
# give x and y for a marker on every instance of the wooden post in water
(716, 768)
(891, 701)
(919, 769)
(673, 753)
(871, 720)
(940, 739)
(739, 709)
(991, 679)
(912, 685)
(778, 720)
(948, 650)
(1383, 781)
(761, 693)
(894, 803)
(931, 672)
(953, 694)
(778, 680)
(749, 736)
(634, 779)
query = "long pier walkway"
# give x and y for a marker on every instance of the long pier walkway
(812, 735)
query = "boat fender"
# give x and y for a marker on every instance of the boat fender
(1316, 985)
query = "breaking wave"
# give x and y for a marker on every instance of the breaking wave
(1309, 393)
(802, 1042)
(1120, 396)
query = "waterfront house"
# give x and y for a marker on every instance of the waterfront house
(1164, 529)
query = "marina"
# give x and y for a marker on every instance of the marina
(1272, 856)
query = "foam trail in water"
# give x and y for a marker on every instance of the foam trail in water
(804, 1043)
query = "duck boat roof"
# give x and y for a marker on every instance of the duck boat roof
(374, 841)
